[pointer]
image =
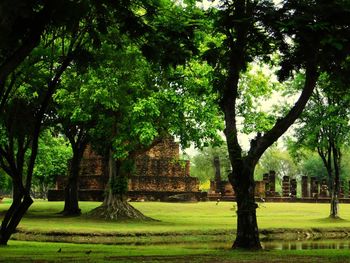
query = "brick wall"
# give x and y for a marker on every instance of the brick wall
(161, 184)
(157, 170)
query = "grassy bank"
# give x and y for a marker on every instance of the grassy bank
(197, 232)
(36, 252)
(182, 218)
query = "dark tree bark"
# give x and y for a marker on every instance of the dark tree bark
(71, 200)
(12, 160)
(78, 140)
(115, 205)
(34, 31)
(242, 179)
(331, 157)
(334, 213)
(242, 176)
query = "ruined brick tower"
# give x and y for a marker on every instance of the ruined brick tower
(158, 175)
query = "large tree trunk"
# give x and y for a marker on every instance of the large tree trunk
(71, 199)
(336, 182)
(334, 205)
(115, 205)
(20, 204)
(242, 179)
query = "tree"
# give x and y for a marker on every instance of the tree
(150, 28)
(324, 127)
(25, 111)
(146, 106)
(51, 161)
(202, 164)
(278, 160)
(22, 27)
(5, 184)
(308, 35)
(73, 25)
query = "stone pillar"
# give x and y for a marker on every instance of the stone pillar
(285, 186)
(266, 182)
(304, 187)
(293, 187)
(217, 174)
(272, 182)
(188, 168)
(324, 188)
(260, 189)
(314, 187)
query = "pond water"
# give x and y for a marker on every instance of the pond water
(270, 245)
(307, 245)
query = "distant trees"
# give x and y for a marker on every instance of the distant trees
(202, 164)
(277, 160)
(325, 128)
(52, 160)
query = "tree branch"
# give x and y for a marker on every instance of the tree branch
(284, 123)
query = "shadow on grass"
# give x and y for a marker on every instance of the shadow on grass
(330, 220)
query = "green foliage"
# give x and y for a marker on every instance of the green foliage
(279, 161)
(119, 185)
(52, 161)
(324, 126)
(312, 166)
(257, 86)
(202, 164)
(5, 183)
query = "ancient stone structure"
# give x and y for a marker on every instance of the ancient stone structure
(285, 186)
(324, 189)
(305, 187)
(266, 181)
(293, 188)
(314, 187)
(223, 190)
(272, 182)
(218, 186)
(158, 175)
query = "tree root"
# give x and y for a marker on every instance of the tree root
(118, 210)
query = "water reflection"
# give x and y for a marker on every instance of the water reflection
(307, 245)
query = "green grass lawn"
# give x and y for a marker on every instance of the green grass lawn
(198, 232)
(38, 252)
(182, 217)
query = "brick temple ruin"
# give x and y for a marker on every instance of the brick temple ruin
(311, 189)
(159, 175)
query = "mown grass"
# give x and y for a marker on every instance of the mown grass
(204, 229)
(182, 217)
(37, 252)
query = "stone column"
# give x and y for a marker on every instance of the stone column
(324, 188)
(260, 189)
(188, 168)
(314, 187)
(293, 187)
(267, 186)
(217, 174)
(285, 186)
(272, 182)
(304, 187)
